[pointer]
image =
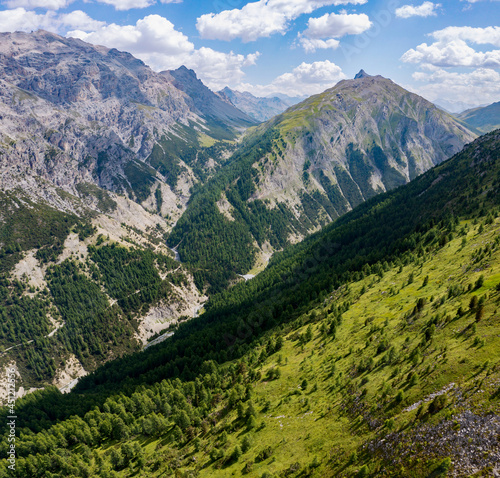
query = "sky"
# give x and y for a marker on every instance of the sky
(446, 51)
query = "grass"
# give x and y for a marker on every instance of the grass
(320, 428)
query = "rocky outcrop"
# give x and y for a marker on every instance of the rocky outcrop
(208, 103)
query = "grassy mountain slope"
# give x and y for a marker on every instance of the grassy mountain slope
(484, 119)
(324, 357)
(308, 166)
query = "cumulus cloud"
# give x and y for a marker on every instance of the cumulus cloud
(322, 32)
(20, 19)
(332, 25)
(310, 45)
(451, 54)
(218, 69)
(427, 9)
(128, 4)
(30, 4)
(481, 86)
(484, 36)
(259, 19)
(452, 50)
(304, 80)
(150, 34)
(80, 20)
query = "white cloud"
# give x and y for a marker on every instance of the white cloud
(484, 36)
(20, 19)
(333, 25)
(128, 4)
(151, 34)
(451, 54)
(259, 19)
(304, 80)
(310, 45)
(481, 86)
(427, 9)
(79, 20)
(217, 69)
(30, 4)
(451, 48)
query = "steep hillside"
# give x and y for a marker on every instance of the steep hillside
(78, 288)
(310, 165)
(72, 112)
(484, 119)
(208, 103)
(370, 349)
(260, 109)
(96, 151)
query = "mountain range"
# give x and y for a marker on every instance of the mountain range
(485, 119)
(369, 349)
(310, 165)
(260, 109)
(231, 285)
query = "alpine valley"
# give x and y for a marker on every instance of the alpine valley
(204, 284)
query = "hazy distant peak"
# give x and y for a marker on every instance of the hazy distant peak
(362, 74)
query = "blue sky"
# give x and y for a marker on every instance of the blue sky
(447, 51)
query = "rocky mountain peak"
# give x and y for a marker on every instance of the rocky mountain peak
(361, 74)
(204, 99)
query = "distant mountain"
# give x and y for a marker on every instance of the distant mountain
(454, 106)
(260, 109)
(310, 165)
(206, 101)
(290, 100)
(484, 119)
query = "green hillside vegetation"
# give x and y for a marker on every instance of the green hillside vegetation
(213, 245)
(306, 167)
(95, 301)
(26, 225)
(371, 349)
(485, 119)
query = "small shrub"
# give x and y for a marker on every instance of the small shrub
(264, 454)
(438, 403)
(479, 282)
(363, 472)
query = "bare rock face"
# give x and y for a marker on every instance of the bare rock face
(357, 139)
(208, 103)
(71, 112)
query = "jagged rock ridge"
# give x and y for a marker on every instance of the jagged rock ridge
(73, 112)
(261, 109)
